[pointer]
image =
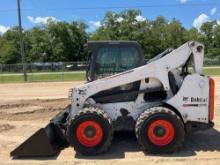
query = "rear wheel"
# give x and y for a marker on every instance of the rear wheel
(159, 130)
(90, 132)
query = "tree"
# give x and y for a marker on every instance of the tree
(67, 41)
(174, 34)
(9, 47)
(39, 46)
(154, 36)
(211, 38)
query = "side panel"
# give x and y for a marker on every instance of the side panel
(132, 109)
(192, 100)
(124, 115)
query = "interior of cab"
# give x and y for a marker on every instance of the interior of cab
(112, 60)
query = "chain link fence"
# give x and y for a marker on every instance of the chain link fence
(44, 67)
(212, 62)
(56, 71)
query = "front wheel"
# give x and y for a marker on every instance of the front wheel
(90, 132)
(159, 131)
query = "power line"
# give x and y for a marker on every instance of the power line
(119, 7)
(140, 6)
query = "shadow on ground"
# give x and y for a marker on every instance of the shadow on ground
(208, 140)
(124, 142)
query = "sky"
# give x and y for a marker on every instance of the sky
(192, 13)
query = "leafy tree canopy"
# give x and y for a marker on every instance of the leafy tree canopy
(66, 41)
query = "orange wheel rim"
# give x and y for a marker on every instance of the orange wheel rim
(161, 132)
(89, 133)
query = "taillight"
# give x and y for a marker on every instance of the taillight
(211, 98)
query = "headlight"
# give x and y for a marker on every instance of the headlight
(70, 93)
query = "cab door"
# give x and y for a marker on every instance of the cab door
(109, 59)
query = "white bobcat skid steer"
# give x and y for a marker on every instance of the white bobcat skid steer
(161, 101)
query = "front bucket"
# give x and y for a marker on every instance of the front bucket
(46, 141)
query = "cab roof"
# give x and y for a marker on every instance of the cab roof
(95, 44)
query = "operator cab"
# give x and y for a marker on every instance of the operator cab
(112, 57)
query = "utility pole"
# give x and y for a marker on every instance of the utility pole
(21, 42)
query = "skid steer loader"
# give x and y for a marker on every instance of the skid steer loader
(161, 100)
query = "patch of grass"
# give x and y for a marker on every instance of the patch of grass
(71, 76)
(14, 78)
(211, 71)
(44, 77)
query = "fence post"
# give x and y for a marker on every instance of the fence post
(1, 72)
(30, 72)
(63, 71)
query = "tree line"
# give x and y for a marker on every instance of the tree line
(67, 41)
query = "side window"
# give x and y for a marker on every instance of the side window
(106, 62)
(112, 60)
(128, 58)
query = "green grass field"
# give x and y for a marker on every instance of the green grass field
(71, 76)
(211, 71)
(46, 77)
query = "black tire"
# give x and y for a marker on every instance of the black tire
(143, 127)
(101, 118)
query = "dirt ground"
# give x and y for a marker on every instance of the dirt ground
(24, 108)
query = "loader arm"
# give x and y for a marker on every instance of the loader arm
(158, 69)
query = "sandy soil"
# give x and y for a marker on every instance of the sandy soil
(24, 108)
(27, 91)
